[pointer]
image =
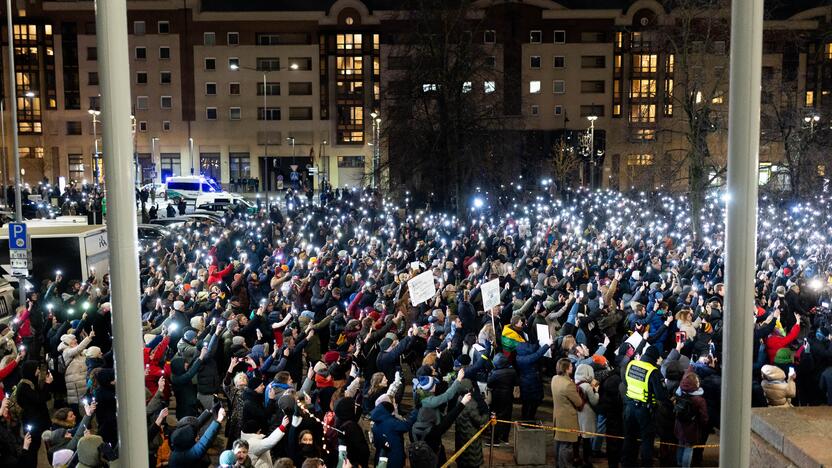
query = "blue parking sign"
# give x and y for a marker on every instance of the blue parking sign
(17, 236)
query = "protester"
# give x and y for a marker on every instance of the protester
(301, 323)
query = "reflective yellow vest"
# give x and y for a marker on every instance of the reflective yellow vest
(637, 377)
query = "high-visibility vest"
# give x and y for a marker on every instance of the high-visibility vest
(637, 378)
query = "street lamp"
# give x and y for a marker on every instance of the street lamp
(96, 169)
(236, 67)
(811, 120)
(591, 131)
(376, 150)
(292, 140)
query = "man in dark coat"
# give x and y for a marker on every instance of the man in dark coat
(183, 389)
(531, 388)
(501, 381)
(32, 398)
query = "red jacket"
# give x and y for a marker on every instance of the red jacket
(4, 372)
(154, 365)
(215, 276)
(775, 342)
(24, 329)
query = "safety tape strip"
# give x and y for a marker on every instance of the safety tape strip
(596, 434)
(467, 444)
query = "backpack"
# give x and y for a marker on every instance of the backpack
(15, 410)
(56, 364)
(684, 409)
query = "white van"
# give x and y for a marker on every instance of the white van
(198, 189)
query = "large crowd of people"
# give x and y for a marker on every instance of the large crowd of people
(290, 337)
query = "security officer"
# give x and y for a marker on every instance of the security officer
(644, 390)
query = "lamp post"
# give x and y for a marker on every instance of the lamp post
(236, 67)
(592, 119)
(18, 211)
(153, 142)
(96, 167)
(811, 120)
(191, 150)
(376, 150)
(5, 177)
(292, 140)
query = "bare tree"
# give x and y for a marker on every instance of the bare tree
(565, 162)
(444, 112)
(695, 41)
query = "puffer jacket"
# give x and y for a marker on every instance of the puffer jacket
(778, 389)
(531, 388)
(468, 423)
(586, 416)
(76, 371)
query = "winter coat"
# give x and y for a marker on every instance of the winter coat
(567, 402)
(778, 389)
(775, 342)
(528, 354)
(76, 370)
(586, 416)
(183, 389)
(253, 409)
(388, 436)
(260, 445)
(32, 397)
(388, 361)
(468, 423)
(692, 432)
(502, 380)
(184, 452)
(353, 436)
(208, 379)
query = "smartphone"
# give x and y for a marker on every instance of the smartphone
(681, 336)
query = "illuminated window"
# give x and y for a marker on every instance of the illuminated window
(821, 170)
(640, 134)
(467, 86)
(810, 99)
(645, 63)
(348, 41)
(356, 114)
(376, 66)
(490, 87)
(718, 99)
(616, 110)
(428, 87)
(827, 49)
(642, 89)
(350, 65)
(376, 42)
(644, 113)
(639, 159)
(669, 63)
(534, 87)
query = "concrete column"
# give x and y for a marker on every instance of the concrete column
(114, 70)
(741, 231)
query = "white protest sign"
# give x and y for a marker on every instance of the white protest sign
(491, 294)
(543, 337)
(421, 288)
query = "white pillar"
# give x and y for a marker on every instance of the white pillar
(741, 231)
(114, 70)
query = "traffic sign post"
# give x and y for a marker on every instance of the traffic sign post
(20, 256)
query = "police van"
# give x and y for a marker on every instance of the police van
(197, 190)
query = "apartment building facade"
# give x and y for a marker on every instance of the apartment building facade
(244, 90)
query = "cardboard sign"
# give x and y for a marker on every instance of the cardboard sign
(491, 294)
(421, 288)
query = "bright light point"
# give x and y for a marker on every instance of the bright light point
(478, 203)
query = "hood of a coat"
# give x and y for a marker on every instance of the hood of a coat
(584, 373)
(177, 366)
(773, 373)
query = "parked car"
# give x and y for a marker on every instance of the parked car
(152, 232)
